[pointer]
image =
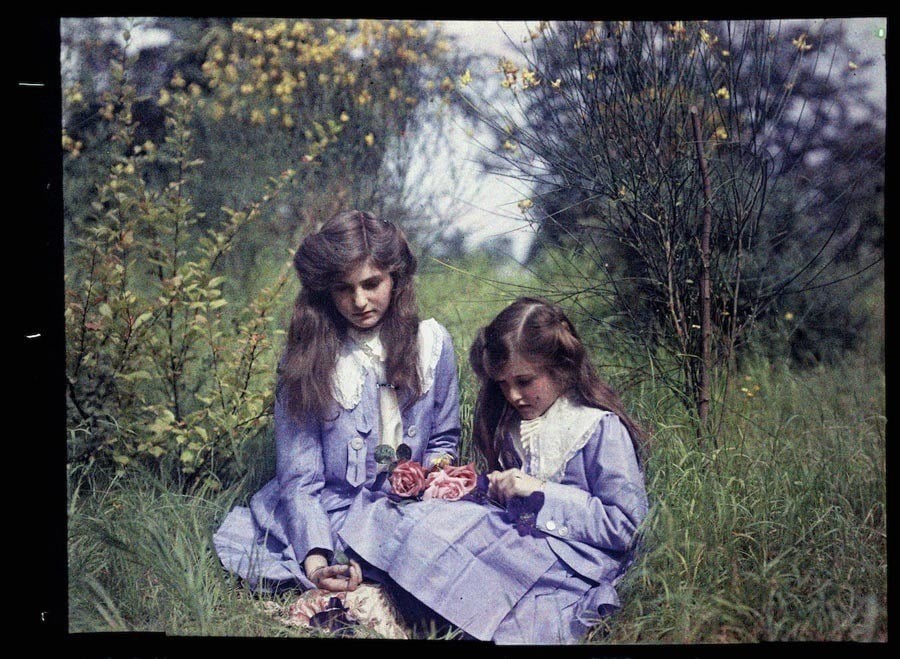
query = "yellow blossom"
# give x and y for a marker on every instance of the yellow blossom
(529, 79)
(789, 315)
(525, 204)
(509, 145)
(707, 38)
(801, 44)
(287, 120)
(556, 83)
(465, 78)
(723, 92)
(726, 53)
(853, 66)
(721, 133)
(164, 97)
(345, 117)
(257, 116)
(442, 460)
(677, 29)
(177, 80)
(507, 66)
(246, 88)
(370, 139)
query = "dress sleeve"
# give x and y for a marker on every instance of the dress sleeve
(445, 427)
(607, 513)
(300, 471)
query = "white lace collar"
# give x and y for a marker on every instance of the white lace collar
(363, 351)
(548, 442)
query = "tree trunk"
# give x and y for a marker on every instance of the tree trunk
(705, 296)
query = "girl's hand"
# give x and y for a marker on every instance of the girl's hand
(513, 482)
(336, 578)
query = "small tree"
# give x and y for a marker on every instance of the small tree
(650, 150)
(159, 370)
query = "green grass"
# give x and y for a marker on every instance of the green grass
(774, 531)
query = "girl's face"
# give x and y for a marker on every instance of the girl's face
(362, 295)
(528, 387)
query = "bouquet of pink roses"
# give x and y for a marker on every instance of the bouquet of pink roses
(410, 480)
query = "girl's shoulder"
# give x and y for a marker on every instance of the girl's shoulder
(432, 328)
(432, 338)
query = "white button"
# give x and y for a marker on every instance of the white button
(563, 530)
(356, 443)
(550, 525)
(412, 431)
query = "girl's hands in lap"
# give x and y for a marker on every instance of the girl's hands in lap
(513, 482)
(337, 578)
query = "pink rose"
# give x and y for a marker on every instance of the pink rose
(465, 472)
(450, 483)
(408, 478)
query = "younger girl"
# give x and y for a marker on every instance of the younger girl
(541, 564)
(359, 373)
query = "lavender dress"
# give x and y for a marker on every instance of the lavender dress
(543, 583)
(323, 466)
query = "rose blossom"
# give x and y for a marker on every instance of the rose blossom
(450, 483)
(408, 478)
(466, 473)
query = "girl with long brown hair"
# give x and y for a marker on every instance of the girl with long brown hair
(537, 559)
(360, 376)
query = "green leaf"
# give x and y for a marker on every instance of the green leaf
(105, 310)
(215, 304)
(140, 320)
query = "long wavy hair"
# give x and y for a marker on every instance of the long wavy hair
(317, 329)
(539, 332)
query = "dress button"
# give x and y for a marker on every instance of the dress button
(550, 525)
(356, 443)
(563, 530)
(412, 431)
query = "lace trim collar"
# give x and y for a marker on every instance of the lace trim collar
(363, 351)
(548, 442)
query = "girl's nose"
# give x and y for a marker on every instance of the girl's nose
(359, 299)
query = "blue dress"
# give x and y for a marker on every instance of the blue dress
(543, 583)
(323, 466)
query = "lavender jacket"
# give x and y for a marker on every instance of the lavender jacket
(592, 515)
(321, 466)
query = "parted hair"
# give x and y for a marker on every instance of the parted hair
(317, 329)
(540, 332)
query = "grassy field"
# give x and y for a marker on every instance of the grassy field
(774, 532)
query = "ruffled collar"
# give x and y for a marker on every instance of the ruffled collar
(548, 442)
(363, 351)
